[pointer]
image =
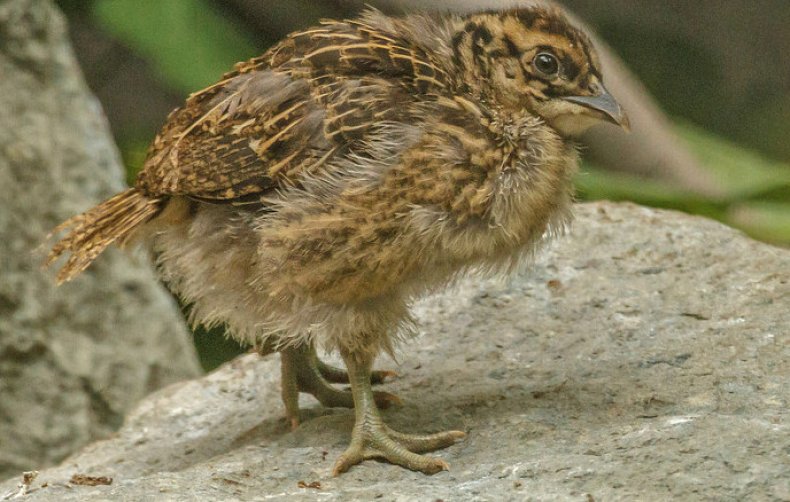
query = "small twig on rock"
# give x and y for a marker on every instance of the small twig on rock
(24, 487)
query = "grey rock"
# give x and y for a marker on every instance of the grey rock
(643, 357)
(73, 359)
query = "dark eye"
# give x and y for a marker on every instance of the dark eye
(546, 64)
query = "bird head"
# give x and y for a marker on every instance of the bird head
(535, 59)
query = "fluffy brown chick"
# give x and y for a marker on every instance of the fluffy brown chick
(315, 192)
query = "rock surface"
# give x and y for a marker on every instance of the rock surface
(73, 359)
(643, 357)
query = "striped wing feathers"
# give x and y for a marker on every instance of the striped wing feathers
(281, 116)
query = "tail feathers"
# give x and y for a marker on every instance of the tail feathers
(91, 232)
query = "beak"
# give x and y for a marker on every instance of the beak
(606, 104)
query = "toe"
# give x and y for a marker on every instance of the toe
(337, 375)
(421, 443)
(348, 459)
(437, 465)
(415, 462)
(394, 451)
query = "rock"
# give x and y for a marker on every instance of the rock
(73, 359)
(643, 357)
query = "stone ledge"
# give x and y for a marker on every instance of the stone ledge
(645, 356)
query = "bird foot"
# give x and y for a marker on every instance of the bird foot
(374, 440)
(303, 371)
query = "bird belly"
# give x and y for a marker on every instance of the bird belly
(286, 279)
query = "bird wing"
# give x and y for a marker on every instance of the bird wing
(278, 118)
(240, 138)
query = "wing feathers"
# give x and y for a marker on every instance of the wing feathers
(279, 117)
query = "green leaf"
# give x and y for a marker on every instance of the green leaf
(741, 172)
(765, 220)
(596, 184)
(757, 196)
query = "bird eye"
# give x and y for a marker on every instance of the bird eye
(547, 64)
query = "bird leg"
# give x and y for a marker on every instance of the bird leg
(371, 438)
(302, 372)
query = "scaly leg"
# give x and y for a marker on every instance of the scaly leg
(371, 438)
(301, 373)
(337, 375)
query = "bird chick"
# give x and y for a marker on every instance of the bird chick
(312, 194)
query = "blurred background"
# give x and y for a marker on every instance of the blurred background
(719, 70)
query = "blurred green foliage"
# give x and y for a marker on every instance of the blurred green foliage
(191, 45)
(756, 195)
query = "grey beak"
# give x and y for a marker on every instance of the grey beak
(606, 104)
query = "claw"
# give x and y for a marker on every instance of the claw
(386, 400)
(381, 376)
